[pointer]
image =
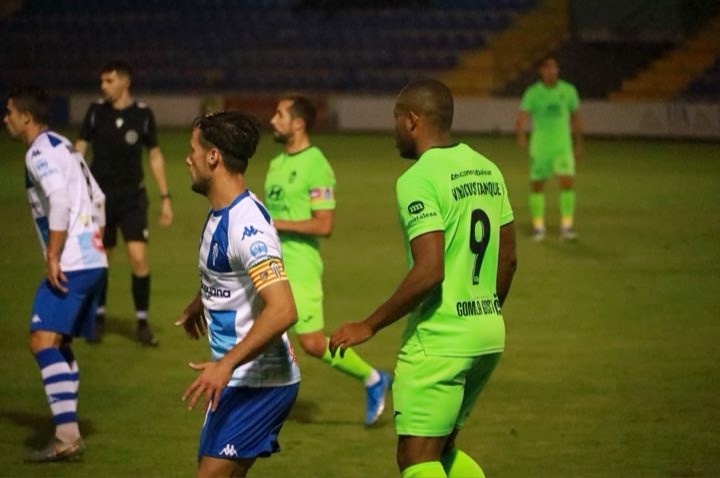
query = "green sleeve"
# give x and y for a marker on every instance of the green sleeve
(574, 102)
(418, 205)
(526, 102)
(322, 185)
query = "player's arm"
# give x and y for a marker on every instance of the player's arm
(81, 146)
(521, 123)
(192, 319)
(278, 315)
(320, 224)
(427, 273)
(577, 132)
(157, 167)
(507, 261)
(58, 220)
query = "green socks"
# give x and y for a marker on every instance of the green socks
(457, 464)
(427, 469)
(567, 207)
(537, 210)
(350, 364)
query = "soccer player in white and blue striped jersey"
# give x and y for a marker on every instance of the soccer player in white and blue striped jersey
(244, 305)
(68, 211)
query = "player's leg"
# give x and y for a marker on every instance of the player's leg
(565, 172)
(245, 425)
(457, 463)
(55, 315)
(310, 333)
(220, 468)
(428, 393)
(540, 170)
(419, 457)
(109, 243)
(134, 225)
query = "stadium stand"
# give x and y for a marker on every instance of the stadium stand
(202, 45)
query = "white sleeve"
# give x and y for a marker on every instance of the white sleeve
(59, 210)
(98, 197)
(257, 249)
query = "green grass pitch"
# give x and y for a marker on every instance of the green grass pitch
(612, 366)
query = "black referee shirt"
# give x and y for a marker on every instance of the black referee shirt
(117, 138)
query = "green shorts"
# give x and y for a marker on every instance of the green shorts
(432, 394)
(306, 284)
(542, 166)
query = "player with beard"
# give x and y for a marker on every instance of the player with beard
(300, 196)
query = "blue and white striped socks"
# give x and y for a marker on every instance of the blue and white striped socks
(61, 379)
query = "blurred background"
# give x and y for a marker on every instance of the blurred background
(645, 68)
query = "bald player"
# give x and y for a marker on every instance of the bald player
(460, 237)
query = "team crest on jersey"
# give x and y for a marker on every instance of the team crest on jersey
(215, 251)
(131, 137)
(119, 122)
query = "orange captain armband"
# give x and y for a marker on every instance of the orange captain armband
(267, 272)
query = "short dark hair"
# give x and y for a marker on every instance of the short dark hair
(121, 66)
(234, 133)
(303, 108)
(431, 99)
(546, 58)
(33, 100)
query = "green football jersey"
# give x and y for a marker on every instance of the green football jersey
(458, 191)
(550, 109)
(296, 185)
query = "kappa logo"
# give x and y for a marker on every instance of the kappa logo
(249, 231)
(229, 450)
(36, 319)
(36, 152)
(215, 250)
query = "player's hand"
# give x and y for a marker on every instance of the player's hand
(55, 276)
(166, 213)
(213, 379)
(194, 325)
(347, 335)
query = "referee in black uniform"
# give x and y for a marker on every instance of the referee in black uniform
(118, 128)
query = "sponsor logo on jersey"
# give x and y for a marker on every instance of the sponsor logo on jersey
(258, 248)
(229, 450)
(131, 137)
(249, 231)
(209, 291)
(275, 192)
(416, 207)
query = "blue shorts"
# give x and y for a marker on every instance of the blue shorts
(247, 422)
(71, 313)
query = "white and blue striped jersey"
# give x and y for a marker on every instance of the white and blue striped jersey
(53, 167)
(239, 255)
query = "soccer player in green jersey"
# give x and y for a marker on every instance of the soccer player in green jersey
(553, 105)
(300, 196)
(460, 236)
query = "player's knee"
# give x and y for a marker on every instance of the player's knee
(314, 345)
(41, 341)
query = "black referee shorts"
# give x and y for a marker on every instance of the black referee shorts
(127, 211)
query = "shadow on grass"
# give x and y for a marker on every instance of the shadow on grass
(123, 327)
(305, 412)
(42, 426)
